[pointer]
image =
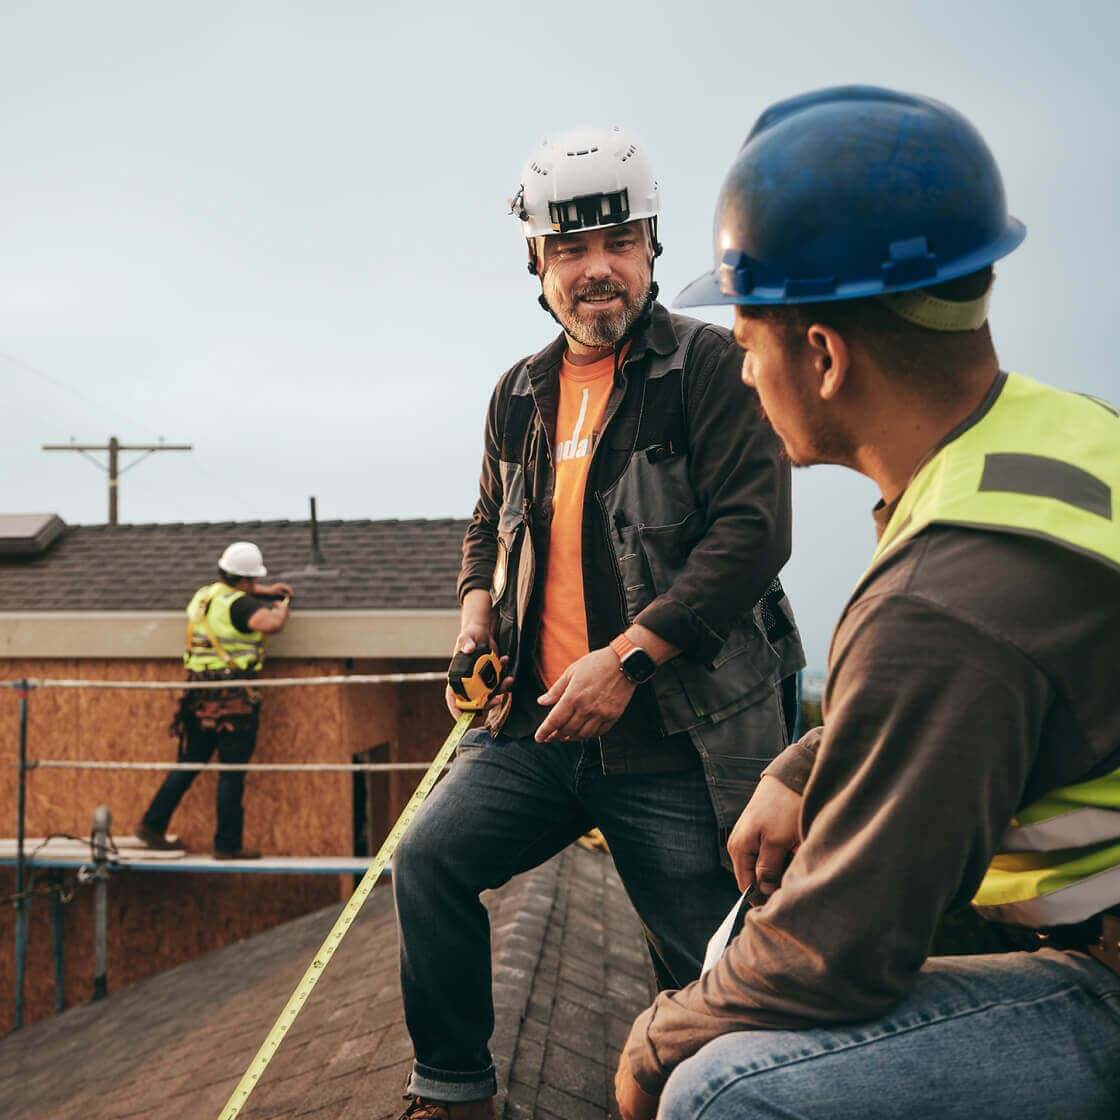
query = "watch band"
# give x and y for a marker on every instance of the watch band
(622, 645)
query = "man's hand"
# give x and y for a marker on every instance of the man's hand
(274, 590)
(765, 836)
(477, 629)
(634, 1103)
(587, 699)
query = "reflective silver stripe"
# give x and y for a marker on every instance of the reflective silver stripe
(1063, 907)
(1075, 829)
(1043, 477)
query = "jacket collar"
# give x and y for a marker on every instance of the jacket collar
(654, 332)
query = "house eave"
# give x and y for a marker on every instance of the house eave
(159, 634)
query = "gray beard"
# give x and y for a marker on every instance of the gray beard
(603, 329)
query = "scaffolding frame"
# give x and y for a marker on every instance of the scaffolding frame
(101, 861)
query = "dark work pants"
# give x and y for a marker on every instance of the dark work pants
(231, 746)
(506, 805)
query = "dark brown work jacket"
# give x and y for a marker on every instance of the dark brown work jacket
(971, 672)
(686, 526)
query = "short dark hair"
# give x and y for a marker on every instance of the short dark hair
(926, 358)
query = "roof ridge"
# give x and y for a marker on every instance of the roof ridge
(266, 523)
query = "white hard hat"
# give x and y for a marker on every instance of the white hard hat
(243, 558)
(586, 179)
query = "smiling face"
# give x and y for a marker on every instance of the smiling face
(597, 281)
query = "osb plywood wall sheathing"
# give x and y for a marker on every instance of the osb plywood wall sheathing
(161, 919)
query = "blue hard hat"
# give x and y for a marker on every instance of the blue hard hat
(851, 192)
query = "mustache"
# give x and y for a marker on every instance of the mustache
(599, 290)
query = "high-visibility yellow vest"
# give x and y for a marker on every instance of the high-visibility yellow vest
(213, 642)
(1046, 464)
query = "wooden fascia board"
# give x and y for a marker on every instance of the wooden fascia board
(352, 633)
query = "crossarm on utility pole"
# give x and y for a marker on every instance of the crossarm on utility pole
(114, 447)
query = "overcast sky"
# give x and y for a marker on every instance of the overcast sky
(279, 231)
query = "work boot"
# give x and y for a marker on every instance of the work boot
(157, 841)
(240, 853)
(421, 1109)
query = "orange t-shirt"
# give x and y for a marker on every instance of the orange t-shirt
(583, 397)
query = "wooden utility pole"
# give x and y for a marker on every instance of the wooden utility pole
(114, 447)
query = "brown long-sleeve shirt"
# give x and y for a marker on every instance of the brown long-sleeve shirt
(973, 672)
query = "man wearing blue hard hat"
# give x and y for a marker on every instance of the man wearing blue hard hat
(971, 741)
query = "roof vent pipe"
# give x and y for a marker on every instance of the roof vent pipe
(316, 568)
(316, 553)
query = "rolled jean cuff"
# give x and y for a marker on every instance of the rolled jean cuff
(452, 1087)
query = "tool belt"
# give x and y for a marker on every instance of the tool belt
(225, 709)
(1099, 936)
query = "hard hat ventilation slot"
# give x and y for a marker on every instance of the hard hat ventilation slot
(584, 151)
(628, 153)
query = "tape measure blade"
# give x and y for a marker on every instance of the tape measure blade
(342, 924)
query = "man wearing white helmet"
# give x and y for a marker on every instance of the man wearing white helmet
(623, 560)
(226, 625)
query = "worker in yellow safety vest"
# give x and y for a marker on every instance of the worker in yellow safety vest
(971, 741)
(226, 625)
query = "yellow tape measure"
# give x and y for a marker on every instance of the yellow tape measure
(482, 667)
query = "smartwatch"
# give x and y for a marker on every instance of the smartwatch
(635, 664)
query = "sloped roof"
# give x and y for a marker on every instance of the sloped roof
(366, 565)
(570, 975)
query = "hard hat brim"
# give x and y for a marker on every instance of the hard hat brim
(706, 290)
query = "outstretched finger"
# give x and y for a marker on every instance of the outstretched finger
(556, 724)
(552, 695)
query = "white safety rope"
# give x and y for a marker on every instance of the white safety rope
(282, 767)
(268, 682)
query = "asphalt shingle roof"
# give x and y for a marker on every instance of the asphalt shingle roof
(570, 975)
(367, 565)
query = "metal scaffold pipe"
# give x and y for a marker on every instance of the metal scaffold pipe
(21, 868)
(102, 821)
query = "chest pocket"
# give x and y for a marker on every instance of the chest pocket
(652, 486)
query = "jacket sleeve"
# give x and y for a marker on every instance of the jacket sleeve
(480, 544)
(794, 765)
(930, 736)
(742, 483)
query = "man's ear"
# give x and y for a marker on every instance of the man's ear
(830, 358)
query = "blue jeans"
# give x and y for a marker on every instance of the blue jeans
(507, 805)
(1019, 1036)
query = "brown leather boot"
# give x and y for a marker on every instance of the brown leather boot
(420, 1108)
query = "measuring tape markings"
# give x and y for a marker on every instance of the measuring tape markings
(349, 912)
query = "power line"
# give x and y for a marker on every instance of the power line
(19, 363)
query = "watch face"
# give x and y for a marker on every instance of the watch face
(638, 666)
